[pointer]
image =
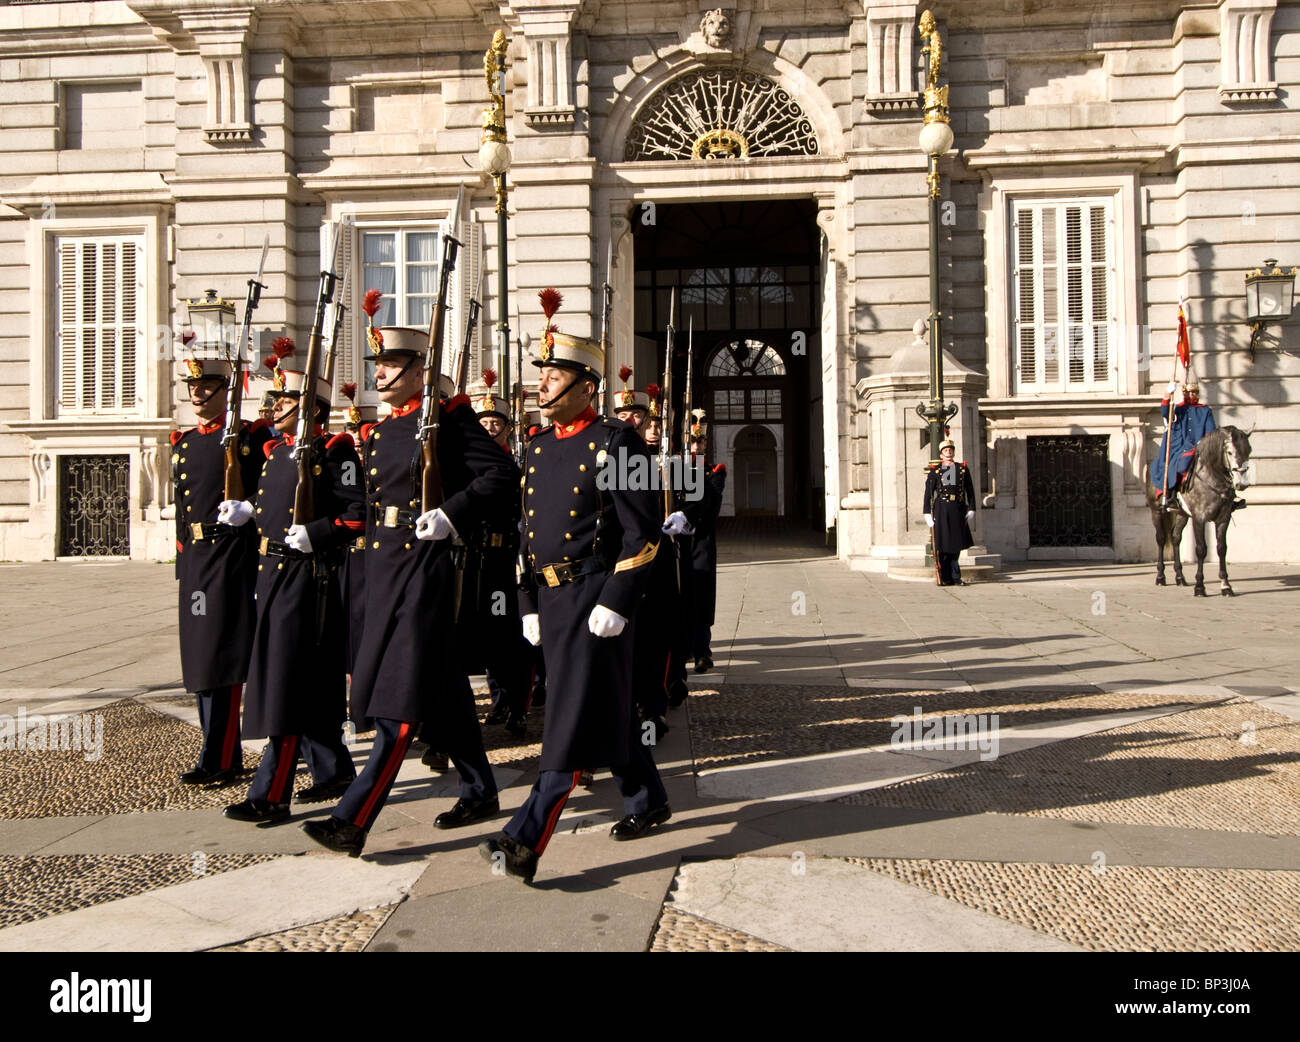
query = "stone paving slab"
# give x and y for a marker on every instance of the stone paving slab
(222, 909)
(346, 933)
(33, 888)
(680, 931)
(826, 905)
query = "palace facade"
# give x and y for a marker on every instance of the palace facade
(760, 163)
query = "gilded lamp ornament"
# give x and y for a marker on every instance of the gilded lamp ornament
(936, 133)
(494, 153)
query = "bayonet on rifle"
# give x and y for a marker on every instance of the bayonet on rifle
(234, 479)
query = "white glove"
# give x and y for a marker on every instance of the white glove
(929, 520)
(434, 525)
(970, 515)
(1173, 386)
(605, 623)
(298, 539)
(533, 630)
(676, 524)
(234, 512)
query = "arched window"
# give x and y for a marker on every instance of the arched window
(746, 376)
(746, 358)
(720, 114)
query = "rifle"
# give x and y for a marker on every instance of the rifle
(606, 305)
(235, 392)
(340, 309)
(686, 398)
(431, 404)
(462, 362)
(304, 505)
(666, 420)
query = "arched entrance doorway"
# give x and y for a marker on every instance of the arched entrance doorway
(756, 468)
(746, 282)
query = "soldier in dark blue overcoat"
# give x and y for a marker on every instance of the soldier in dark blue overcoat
(591, 533)
(1192, 421)
(409, 667)
(216, 565)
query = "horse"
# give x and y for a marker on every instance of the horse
(1218, 471)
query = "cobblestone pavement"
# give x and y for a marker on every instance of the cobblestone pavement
(347, 933)
(1121, 908)
(683, 932)
(1144, 796)
(1232, 766)
(32, 888)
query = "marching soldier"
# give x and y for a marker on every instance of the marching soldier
(671, 590)
(505, 654)
(630, 405)
(409, 667)
(704, 551)
(216, 565)
(296, 689)
(949, 508)
(587, 553)
(352, 569)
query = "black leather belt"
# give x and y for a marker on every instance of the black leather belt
(394, 517)
(500, 541)
(270, 548)
(559, 574)
(200, 532)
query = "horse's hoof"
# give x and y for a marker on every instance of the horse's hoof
(1160, 581)
(1227, 591)
(1199, 591)
(1180, 581)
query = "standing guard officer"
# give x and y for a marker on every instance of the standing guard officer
(409, 667)
(587, 551)
(505, 655)
(296, 687)
(949, 508)
(217, 568)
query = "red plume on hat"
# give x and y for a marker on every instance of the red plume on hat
(371, 302)
(489, 377)
(624, 372)
(652, 390)
(350, 393)
(281, 347)
(551, 299)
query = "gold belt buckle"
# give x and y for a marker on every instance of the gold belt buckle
(496, 539)
(390, 517)
(196, 530)
(551, 578)
(265, 543)
(360, 543)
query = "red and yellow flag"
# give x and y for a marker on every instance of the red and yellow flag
(1184, 348)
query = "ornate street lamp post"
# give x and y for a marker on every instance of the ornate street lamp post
(494, 158)
(936, 139)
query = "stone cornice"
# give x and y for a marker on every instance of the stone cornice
(336, 187)
(1069, 405)
(90, 189)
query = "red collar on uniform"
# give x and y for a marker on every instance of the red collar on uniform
(409, 407)
(288, 438)
(213, 427)
(580, 423)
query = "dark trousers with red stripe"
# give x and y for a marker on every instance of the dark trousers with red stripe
(219, 718)
(327, 758)
(638, 781)
(366, 796)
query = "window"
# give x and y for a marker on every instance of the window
(403, 264)
(100, 293)
(1064, 303)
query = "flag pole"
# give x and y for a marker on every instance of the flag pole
(1182, 353)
